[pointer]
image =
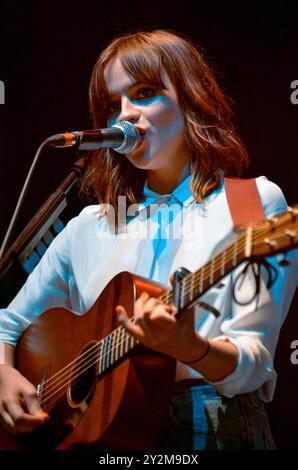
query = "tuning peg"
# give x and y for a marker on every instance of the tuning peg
(271, 243)
(293, 211)
(292, 234)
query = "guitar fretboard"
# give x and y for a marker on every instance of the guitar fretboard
(114, 347)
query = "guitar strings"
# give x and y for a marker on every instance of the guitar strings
(93, 359)
(96, 350)
(188, 279)
(78, 383)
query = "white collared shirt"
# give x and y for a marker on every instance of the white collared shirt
(164, 233)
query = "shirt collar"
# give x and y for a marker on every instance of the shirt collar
(181, 194)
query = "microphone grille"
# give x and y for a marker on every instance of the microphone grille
(131, 137)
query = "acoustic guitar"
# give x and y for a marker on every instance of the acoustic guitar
(100, 388)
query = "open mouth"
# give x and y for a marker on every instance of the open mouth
(142, 137)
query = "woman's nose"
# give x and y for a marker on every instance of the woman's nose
(129, 111)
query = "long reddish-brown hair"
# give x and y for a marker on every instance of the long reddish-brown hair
(209, 130)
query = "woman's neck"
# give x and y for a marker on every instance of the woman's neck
(165, 180)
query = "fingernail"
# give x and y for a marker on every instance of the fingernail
(144, 295)
(120, 314)
(42, 415)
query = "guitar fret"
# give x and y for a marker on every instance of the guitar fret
(211, 274)
(110, 355)
(100, 358)
(107, 352)
(192, 287)
(235, 248)
(116, 343)
(104, 355)
(112, 347)
(223, 262)
(201, 284)
(248, 241)
(126, 343)
(121, 341)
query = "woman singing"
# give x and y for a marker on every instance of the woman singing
(160, 82)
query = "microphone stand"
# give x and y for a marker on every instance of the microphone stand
(42, 220)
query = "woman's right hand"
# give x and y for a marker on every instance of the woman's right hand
(20, 411)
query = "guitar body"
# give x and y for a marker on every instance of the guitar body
(123, 409)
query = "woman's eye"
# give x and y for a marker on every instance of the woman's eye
(144, 93)
(141, 94)
(113, 108)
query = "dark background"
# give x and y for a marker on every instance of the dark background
(47, 50)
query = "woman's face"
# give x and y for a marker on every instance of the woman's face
(155, 112)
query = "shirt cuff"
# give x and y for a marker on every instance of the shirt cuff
(250, 373)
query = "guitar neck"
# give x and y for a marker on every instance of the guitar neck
(194, 285)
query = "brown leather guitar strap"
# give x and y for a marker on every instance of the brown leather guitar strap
(244, 200)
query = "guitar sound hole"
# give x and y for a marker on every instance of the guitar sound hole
(84, 375)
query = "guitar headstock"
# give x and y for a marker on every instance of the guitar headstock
(274, 235)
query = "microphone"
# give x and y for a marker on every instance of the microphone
(123, 137)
